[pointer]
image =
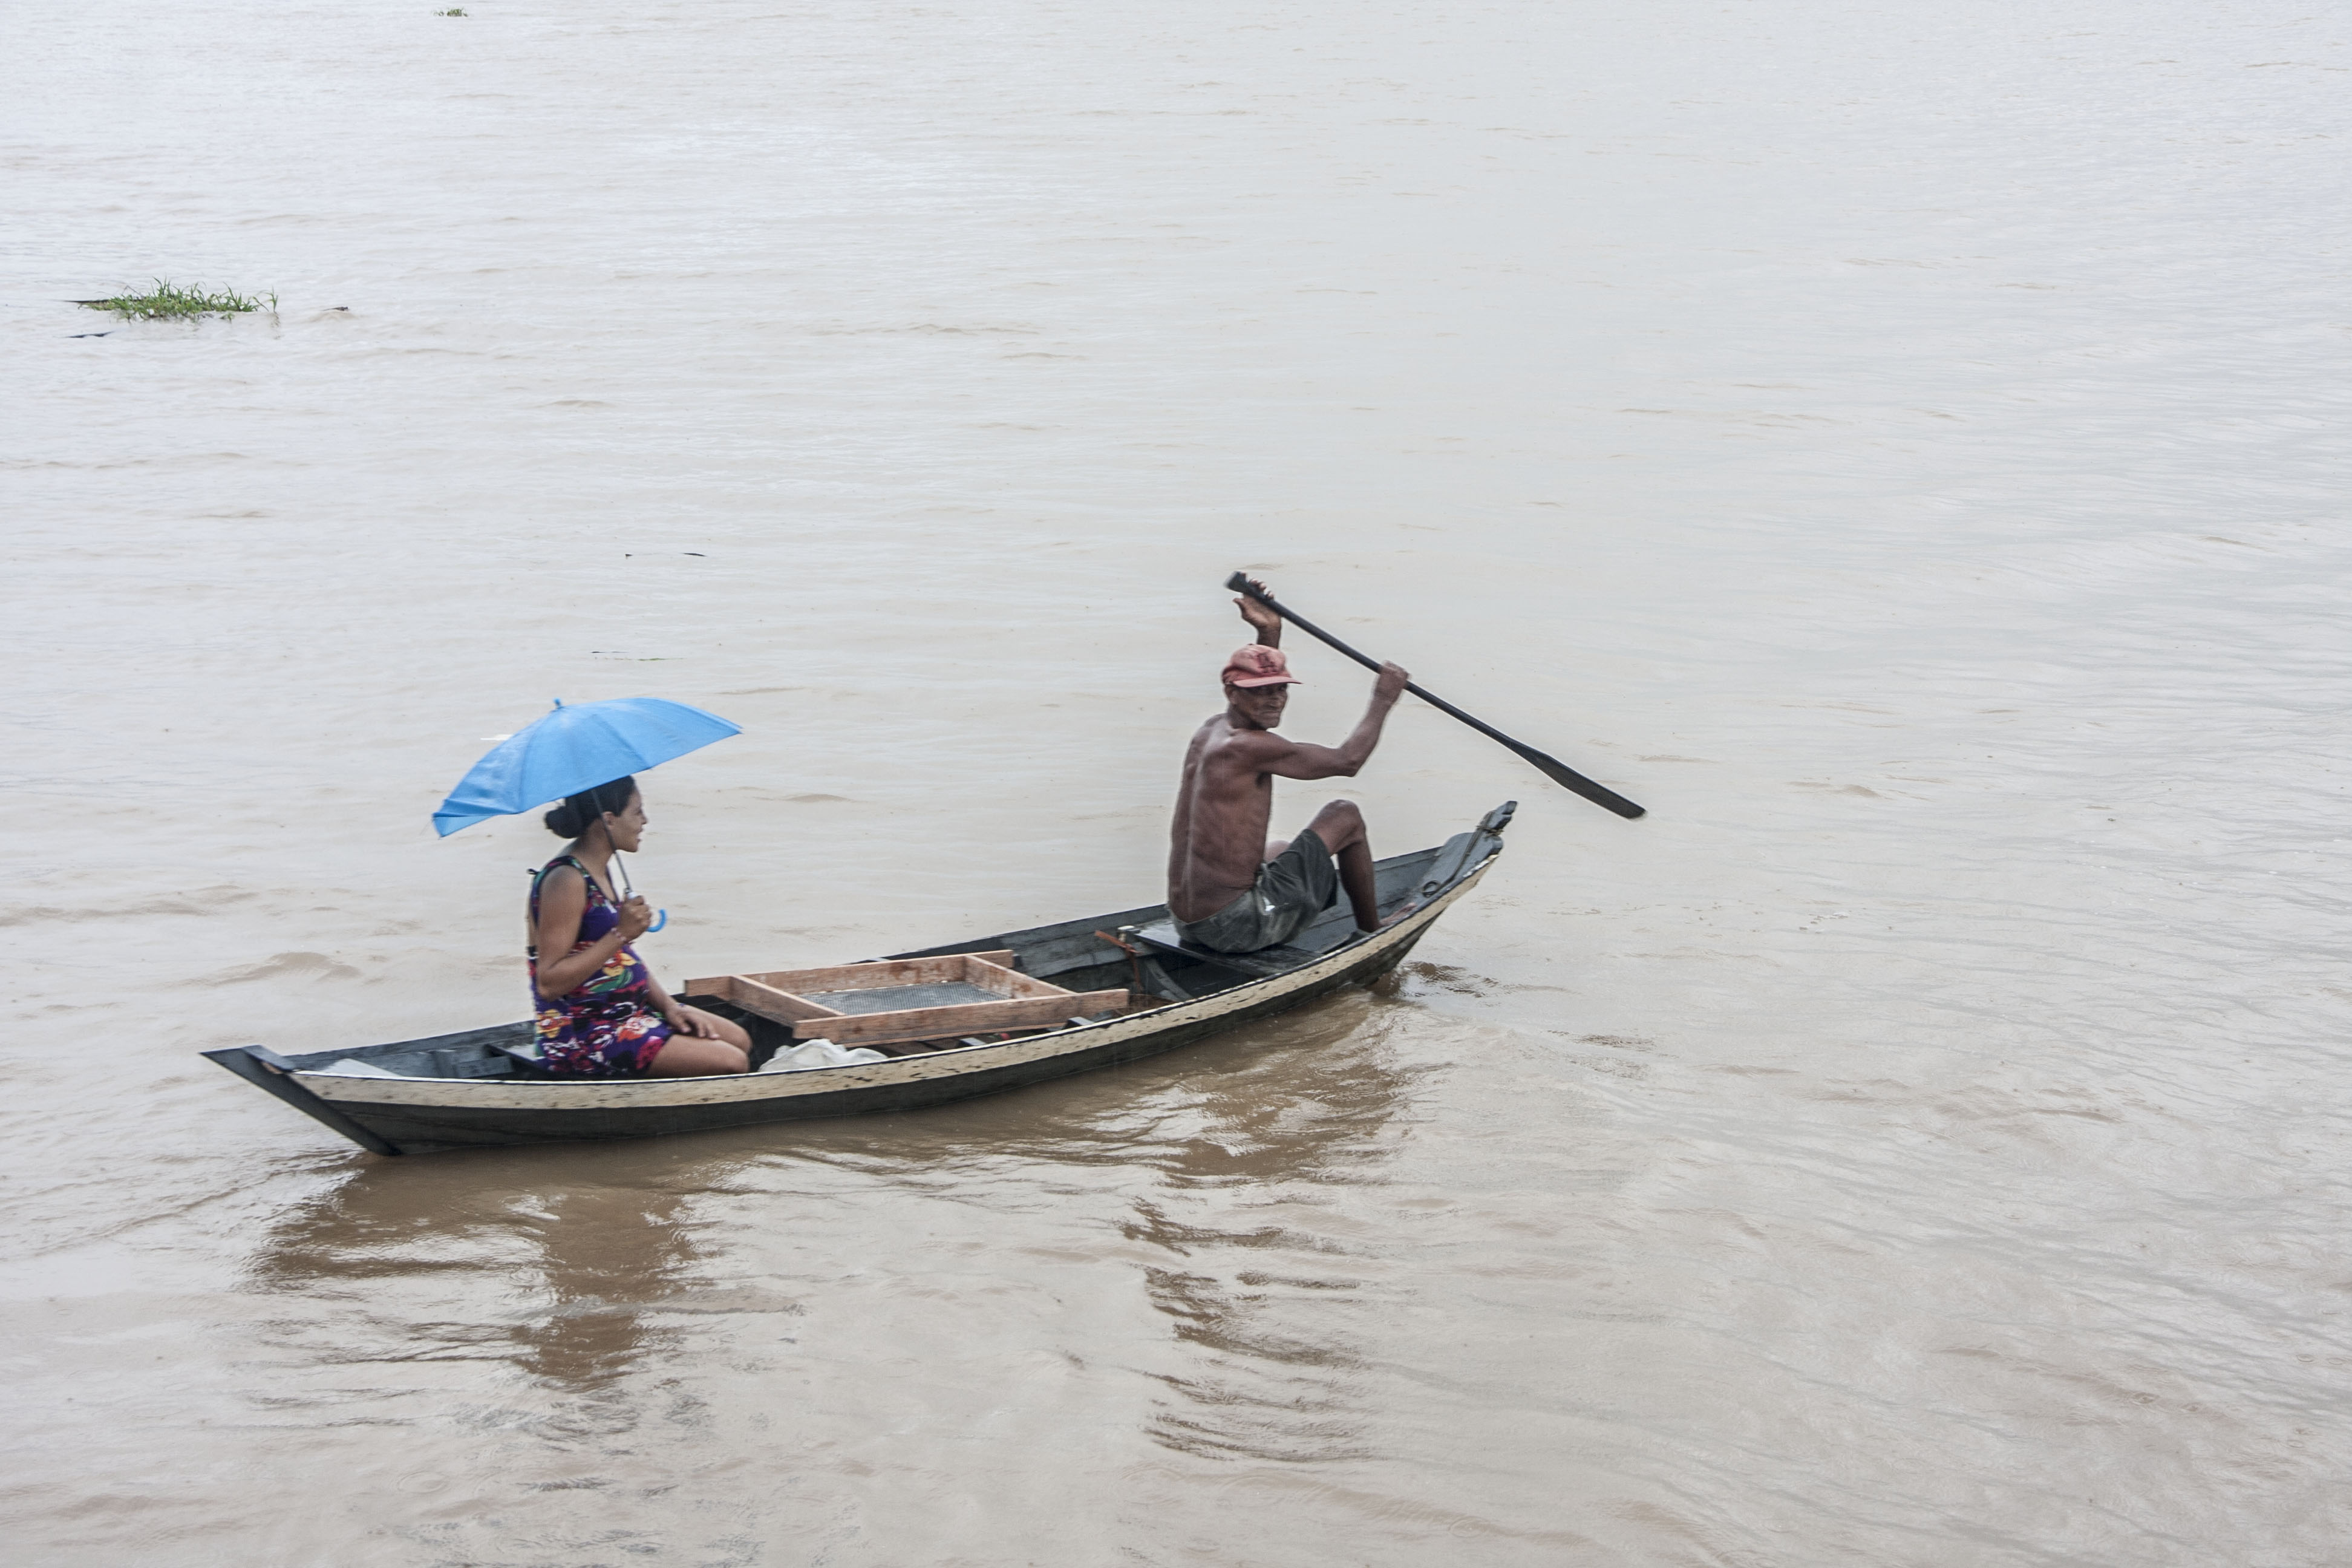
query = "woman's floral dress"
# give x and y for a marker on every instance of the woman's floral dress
(609, 1027)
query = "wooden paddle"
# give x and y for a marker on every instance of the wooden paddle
(1552, 768)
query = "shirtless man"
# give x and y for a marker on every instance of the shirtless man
(1230, 888)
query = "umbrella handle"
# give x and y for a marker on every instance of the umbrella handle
(661, 917)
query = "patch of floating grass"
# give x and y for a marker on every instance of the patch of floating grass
(453, 11)
(168, 302)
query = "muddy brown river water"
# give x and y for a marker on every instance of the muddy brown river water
(1902, 445)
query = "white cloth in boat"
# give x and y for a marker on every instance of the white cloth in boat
(819, 1054)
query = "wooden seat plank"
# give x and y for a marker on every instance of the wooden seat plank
(1263, 964)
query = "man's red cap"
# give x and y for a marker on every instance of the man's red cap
(1258, 665)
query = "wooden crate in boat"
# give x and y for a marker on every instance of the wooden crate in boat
(907, 998)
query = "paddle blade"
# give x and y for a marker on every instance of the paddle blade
(1568, 778)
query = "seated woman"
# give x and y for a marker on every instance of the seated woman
(602, 1013)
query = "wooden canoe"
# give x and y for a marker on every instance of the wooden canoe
(482, 1087)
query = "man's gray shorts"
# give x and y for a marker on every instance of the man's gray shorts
(1291, 889)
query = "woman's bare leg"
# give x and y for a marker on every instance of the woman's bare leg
(685, 1056)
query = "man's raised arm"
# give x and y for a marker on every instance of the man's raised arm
(1270, 753)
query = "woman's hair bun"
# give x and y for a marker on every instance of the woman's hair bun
(577, 812)
(566, 821)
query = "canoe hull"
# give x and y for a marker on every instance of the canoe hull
(423, 1115)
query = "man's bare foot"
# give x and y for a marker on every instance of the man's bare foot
(1390, 920)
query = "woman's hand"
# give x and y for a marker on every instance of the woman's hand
(636, 918)
(693, 1021)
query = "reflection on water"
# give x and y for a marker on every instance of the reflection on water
(593, 1259)
(590, 1240)
(1275, 1383)
(1268, 1307)
(574, 1263)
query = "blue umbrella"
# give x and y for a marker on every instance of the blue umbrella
(573, 749)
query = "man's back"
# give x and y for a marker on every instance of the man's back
(1224, 802)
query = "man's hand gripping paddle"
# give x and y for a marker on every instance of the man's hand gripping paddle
(1552, 768)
